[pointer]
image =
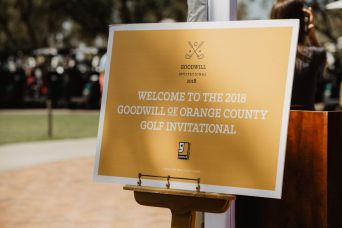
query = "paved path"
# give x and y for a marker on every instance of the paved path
(49, 184)
(19, 155)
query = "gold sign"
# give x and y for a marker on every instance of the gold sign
(198, 100)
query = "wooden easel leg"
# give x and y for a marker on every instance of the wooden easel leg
(182, 203)
(183, 219)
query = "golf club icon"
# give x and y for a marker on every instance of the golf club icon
(195, 49)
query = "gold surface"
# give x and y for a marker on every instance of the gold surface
(252, 61)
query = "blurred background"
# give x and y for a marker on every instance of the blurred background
(52, 54)
(55, 50)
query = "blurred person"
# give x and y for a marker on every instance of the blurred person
(14, 83)
(91, 91)
(74, 81)
(3, 85)
(102, 71)
(55, 79)
(310, 58)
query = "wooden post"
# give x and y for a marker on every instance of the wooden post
(312, 178)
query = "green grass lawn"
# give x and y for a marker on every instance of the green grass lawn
(32, 125)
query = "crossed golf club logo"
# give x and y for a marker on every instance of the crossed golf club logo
(195, 49)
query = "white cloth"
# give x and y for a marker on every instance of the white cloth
(197, 10)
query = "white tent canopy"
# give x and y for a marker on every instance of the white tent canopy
(334, 5)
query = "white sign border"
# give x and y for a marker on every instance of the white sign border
(294, 23)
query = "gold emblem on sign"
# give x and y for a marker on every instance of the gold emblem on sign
(184, 150)
(195, 49)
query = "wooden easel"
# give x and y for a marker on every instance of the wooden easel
(182, 203)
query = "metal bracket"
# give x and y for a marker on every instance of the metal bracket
(168, 178)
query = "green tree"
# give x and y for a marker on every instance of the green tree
(138, 11)
(30, 24)
(34, 23)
